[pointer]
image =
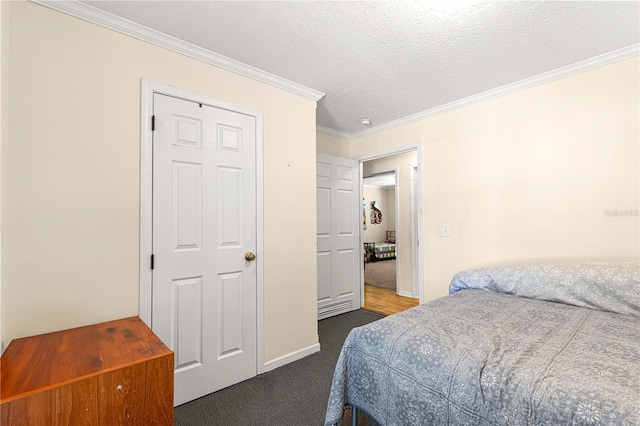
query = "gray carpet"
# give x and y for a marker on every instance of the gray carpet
(381, 273)
(295, 394)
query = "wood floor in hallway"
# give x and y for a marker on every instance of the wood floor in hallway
(386, 302)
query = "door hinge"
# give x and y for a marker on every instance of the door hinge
(153, 123)
(152, 261)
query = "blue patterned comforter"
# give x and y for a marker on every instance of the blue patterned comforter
(486, 355)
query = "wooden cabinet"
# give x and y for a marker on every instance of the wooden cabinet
(113, 373)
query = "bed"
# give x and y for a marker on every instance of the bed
(382, 251)
(546, 344)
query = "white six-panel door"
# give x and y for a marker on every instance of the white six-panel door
(204, 222)
(338, 235)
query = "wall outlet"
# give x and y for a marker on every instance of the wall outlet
(446, 231)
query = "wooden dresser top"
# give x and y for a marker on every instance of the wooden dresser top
(49, 360)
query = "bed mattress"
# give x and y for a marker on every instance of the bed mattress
(481, 356)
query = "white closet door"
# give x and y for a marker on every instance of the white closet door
(339, 253)
(204, 222)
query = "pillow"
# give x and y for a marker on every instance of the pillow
(611, 287)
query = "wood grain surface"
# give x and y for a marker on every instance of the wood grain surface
(117, 372)
(386, 302)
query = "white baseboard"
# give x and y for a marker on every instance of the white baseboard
(404, 293)
(293, 356)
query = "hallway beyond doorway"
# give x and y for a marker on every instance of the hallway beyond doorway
(381, 274)
(386, 302)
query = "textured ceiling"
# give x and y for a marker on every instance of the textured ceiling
(389, 60)
(381, 180)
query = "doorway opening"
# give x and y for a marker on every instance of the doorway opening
(391, 230)
(378, 230)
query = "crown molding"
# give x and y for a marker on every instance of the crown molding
(578, 67)
(100, 17)
(333, 132)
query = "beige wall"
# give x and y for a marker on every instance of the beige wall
(391, 214)
(378, 233)
(71, 240)
(332, 145)
(530, 175)
(4, 55)
(402, 164)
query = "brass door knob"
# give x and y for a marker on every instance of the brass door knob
(250, 256)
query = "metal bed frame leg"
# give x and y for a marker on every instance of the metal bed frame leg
(354, 416)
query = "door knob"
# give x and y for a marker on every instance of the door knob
(250, 256)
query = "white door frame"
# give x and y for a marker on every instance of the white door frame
(417, 146)
(415, 246)
(148, 88)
